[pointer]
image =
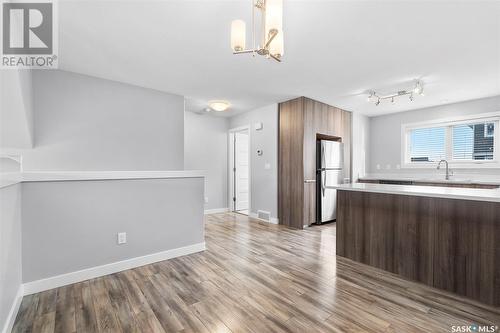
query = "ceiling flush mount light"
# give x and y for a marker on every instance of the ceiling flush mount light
(418, 89)
(219, 105)
(272, 34)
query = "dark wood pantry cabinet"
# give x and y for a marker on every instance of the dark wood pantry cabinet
(301, 122)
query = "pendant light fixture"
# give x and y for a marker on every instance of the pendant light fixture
(272, 31)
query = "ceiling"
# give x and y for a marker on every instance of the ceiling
(334, 50)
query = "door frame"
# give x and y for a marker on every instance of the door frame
(230, 138)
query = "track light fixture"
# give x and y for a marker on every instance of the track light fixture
(418, 89)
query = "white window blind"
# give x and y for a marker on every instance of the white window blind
(473, 141)
(427, 144)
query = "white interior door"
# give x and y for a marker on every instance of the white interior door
(241, 183)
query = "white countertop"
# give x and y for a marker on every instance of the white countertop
(10, 178)
(426, 191)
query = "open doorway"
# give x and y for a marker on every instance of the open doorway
(239, 170)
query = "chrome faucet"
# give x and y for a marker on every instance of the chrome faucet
(448, 171)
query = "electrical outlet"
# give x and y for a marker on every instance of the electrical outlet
(122, 238)
(206, 199)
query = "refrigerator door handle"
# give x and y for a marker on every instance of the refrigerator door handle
(323, 180)
(323, 159)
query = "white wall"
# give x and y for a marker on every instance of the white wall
(16, 109)
(86, 123)
(10, 251)
(66, 233)
(385, 134)
(205, 148)
(360, 145)
(264, 182)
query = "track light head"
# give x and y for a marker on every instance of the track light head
(419, 88)
(371, 95)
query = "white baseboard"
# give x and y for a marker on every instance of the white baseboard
(93, 272)
(273, 220)
(11, 318)
(216, 210)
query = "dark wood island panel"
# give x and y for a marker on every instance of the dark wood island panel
(450, 244)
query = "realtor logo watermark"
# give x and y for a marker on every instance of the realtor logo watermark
(29, 34)
(474, 328)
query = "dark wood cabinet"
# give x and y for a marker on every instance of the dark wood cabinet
(301, 122)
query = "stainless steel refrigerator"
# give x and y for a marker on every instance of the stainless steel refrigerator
(329, 162)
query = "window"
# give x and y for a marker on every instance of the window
(461, 142)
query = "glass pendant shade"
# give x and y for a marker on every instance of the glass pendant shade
(276, 47)
(274, 21)
(238, 34)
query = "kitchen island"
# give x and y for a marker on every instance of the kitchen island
(447, 238)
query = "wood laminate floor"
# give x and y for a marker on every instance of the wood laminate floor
(254, 277)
